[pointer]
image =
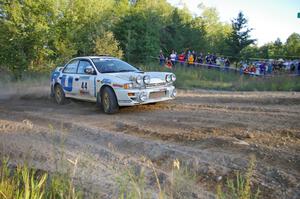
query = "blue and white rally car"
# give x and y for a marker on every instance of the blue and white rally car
(110, 82)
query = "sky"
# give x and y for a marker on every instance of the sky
(270, 19)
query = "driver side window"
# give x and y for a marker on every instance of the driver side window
(82, 65)
(71, 67)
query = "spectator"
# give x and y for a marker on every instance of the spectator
(262, 68)
(293, 67)
(173, 58)
(181, 58)
(270, 67)
(194, 55)
(213, 59)
(227, 64)
(168, 63)
(241, 69)
(191, 60)
(161, 58)
(186, 55)
(200, 58)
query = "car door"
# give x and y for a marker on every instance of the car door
(67, 77)
(85, 83)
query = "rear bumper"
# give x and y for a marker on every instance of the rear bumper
(145, 96)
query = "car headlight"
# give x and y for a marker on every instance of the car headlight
(139, 79)
(168, 78)
(146, 79)
(173, 78)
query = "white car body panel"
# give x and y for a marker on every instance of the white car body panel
(87, 87)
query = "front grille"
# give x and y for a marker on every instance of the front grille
(159, 94)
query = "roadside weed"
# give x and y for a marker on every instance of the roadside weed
(240, 188)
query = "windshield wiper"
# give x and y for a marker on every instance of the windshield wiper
(110, 71)
(126, 70)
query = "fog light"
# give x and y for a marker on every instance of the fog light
(143, 96)
(131, 94)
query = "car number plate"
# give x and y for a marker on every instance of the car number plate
(158, 94)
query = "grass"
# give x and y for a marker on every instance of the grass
(187, 78)
(216, 79)
(25, 183)
(240, 188)
(181, 183)
(136, 183)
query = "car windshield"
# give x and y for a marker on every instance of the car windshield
(113, 66)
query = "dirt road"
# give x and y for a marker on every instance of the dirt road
(213, 133)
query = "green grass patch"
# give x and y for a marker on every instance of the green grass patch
(25, 183)
(218, 79)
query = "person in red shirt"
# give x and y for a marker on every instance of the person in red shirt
(181, 58)
(168, 63)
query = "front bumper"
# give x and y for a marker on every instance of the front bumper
(131, 97)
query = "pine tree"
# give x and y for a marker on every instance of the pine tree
(239, 37)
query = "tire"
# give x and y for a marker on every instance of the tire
(109, 101)
(98, 100)
(59, 95)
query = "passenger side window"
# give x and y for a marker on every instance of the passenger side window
(82, 65)
(71, 67)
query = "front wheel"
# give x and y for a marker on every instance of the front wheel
(109, 101)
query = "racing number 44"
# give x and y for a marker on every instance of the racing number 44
(84, 85)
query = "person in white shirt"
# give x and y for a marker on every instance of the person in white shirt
(173, 57)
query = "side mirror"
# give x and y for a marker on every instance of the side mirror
(89, 70)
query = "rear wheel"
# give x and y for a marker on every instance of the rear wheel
(109, 101)
(59, 95)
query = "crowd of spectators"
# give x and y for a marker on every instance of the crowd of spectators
(192, 58)
(257, 67)
(271, 66)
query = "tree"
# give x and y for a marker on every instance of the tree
(293, 45)
(24, 33)
(239, 38)
(107, 44)
(216, 31)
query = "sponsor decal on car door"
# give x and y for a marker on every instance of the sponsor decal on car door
(84, 82)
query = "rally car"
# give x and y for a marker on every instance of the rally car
(110, 82)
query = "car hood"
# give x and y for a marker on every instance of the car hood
(155, 77)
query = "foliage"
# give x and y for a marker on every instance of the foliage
(216, 31)
(25, 29)
(293, 45)
(239, 38)
(275, 50)
(35, 35)
(107, 44)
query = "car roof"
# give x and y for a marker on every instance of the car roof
(97, 56)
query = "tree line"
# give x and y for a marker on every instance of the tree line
(36, 35)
